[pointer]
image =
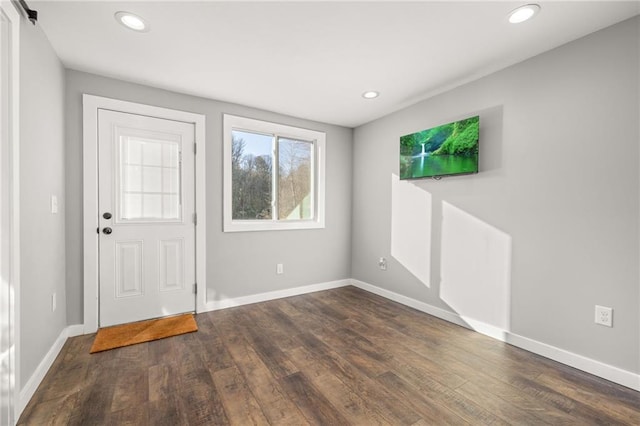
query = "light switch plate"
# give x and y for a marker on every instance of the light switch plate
(54, 204)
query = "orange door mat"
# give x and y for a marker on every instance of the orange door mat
(143, 331)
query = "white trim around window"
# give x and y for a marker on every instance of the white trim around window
(318, 139)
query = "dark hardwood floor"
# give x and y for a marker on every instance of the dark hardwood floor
(335, 357)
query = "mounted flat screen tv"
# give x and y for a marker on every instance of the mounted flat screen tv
(446, 150)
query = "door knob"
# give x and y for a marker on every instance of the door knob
(107, 230)
(107, 215)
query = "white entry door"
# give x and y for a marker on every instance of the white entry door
(146, 207)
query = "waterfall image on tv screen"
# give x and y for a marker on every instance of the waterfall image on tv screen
(449, 149)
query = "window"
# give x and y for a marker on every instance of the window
(274, 176)
(149, 178)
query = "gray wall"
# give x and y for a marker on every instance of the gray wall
(42, 234)
(238, 264)
(553, 213)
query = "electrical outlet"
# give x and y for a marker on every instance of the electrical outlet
(382, 263)
(53, 302)
(604, 316)
(279, 269)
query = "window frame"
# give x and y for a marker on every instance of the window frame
(318, 139)
(119, 177)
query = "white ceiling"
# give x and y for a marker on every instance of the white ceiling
(313, 59)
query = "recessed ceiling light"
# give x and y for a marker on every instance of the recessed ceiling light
(523, 13)
(132, 21)
(371, 94)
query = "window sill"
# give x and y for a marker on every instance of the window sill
(255, 225)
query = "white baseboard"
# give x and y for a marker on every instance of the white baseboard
(75, 330)
(408, 301)
(78, 329)
(38, 375)
(597, 368)
(272, 295)
(591, 366)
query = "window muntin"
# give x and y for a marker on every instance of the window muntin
(274, 176)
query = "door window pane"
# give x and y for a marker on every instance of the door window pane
(170, 205)
(252, 179)
(152, 153)
(149, 172)
(132, 206)
(152, 179)
(132, 178)
(170, 181)
(152, 206)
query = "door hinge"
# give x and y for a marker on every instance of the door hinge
(195, 218)
(195, 288)
(195, 148)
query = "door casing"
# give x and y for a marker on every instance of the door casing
(10, 153)
(91, 104)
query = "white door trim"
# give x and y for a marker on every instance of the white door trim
(13, 148)
(90, 106)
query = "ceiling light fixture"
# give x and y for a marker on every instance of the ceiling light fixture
(523, 13)
(371, 94)
(132, 21)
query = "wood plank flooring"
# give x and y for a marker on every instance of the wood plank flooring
(337, 357)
